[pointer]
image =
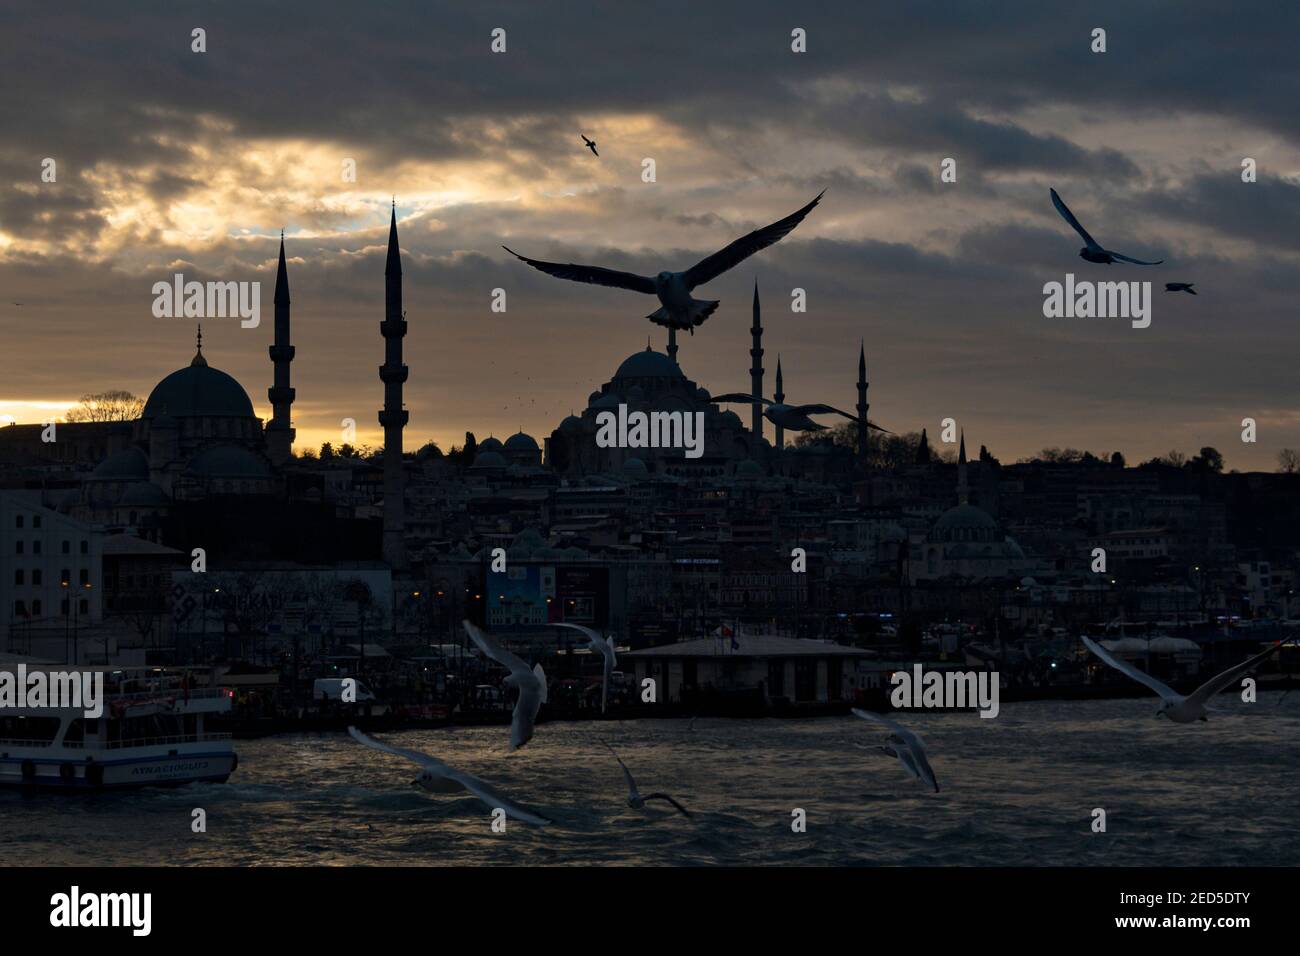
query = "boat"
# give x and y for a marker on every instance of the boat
(150, 733)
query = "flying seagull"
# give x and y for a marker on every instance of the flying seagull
(679, 310)
(531, 684)
(1093, 252)
(793, 417)
(908, 747)
(1180, 709)
(605, 645)
(634, 798)
(436, 777)
(1180, 287)
(591, 143)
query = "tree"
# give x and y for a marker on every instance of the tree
(1288, 461)
(111, 406)
(1210, 459)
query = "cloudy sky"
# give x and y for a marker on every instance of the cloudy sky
(170, 160)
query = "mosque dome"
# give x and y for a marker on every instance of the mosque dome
(965, 523)
(489, 459)
(126, 465)
(490, 444)
(228, 461)
(521, 442)
(198, 390)
(731, 419)
(607, 401)
(635, 468)
(648, 364)
(571, 423)
(144, 494)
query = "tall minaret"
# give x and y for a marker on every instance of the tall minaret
(393, 417)
(756, 368)
(779, 397)
(862, 407)
(963, 490)
(280, 432)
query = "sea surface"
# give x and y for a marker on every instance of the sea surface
(1016, 790)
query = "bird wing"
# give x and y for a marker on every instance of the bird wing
(593, 149)
(915, 754)
(591, 635)
(532, 694)
(494, 798)
(585, 140)
(594, 275)
(741, 397)
(493, 648)
(424, 760)
(632, 792)
(1136, 262)
(664, 796)
(1218, 682)
(910, 737)
(1064, 210)
(1164, 690)
(713, 266)
(831, 410)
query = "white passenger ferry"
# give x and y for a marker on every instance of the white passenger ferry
(151, 733)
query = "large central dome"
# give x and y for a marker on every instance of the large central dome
(198, 390)
(648, 364)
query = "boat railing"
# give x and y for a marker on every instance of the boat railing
(203, 694)
(147, 741)
(20, 742)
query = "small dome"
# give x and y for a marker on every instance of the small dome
(731, 420)
(129, 463)
(488, 459)
(571, 423)
(228, 461)
(521, 442)
(593, 398)
(490, 444)
(635, 468)
(965, 523)
(648, 364)
(702, 394)
(198, 390)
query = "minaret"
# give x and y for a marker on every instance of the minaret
(672, 344)
(756, 368)
(862, 407)
(779, 397)
(393, 417)
(963, 491)
(280, 433)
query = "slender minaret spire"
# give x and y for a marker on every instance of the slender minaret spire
(393, 417)
(862, 407)
(198, 348)
(280, 433)
(963, 491)
(779, 396)
(756, 368)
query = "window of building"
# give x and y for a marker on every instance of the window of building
(36, 521)
(83, 576)
(36, 575)
(36, 546)
(18, 521)
(85, 546)
(18, 576)
(18, 547)
(36, 608)
(65, 577)
(19, 609)
(67, 547)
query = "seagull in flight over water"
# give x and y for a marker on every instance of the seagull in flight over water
(1093, 251)
(908, 747)
(605, 645)
(591, 143)
(634, 798)
(437, 777)
(1180, 709)
(531, 684)
(1180, 287)
(678, 309)
(793, 417)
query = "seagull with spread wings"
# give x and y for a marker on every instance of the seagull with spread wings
(793, 417)
(591, 143)
(530, 682)
(907, 746)
(1180, 709)
(437, 777)
(634, 798)
(1093, 252)
(678, 309)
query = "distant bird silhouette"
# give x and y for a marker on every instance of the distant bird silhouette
(634, 798)
(591, 144)
(906, 745)
(793, 417)
(1093, 252)
(680, 310)
(1180, 287)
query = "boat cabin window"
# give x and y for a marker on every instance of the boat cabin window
(43, 729)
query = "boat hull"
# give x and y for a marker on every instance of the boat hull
(49, 772)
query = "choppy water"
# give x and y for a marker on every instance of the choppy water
(1017, 790)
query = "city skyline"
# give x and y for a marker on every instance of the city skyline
(194, 161)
